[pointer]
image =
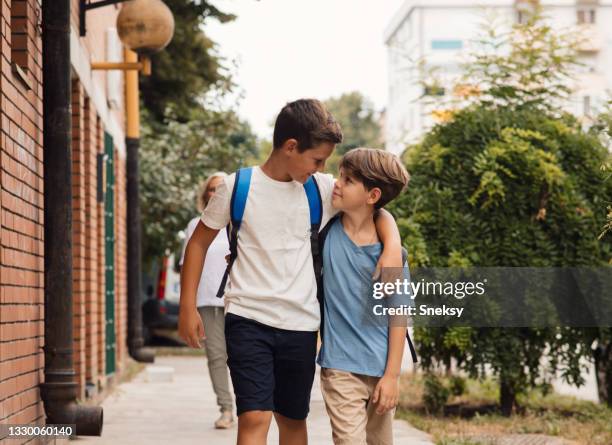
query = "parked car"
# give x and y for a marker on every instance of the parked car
(161, 307)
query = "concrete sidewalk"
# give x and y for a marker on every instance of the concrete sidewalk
(182, 412)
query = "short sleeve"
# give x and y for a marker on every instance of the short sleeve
(216, 215)
(326, 187)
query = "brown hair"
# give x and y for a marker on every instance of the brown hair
(376, 168)
(308, 122)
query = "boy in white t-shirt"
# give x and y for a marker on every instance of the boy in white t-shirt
(272, 312)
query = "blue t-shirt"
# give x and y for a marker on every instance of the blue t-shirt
(354, 338)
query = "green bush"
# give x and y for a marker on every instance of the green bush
(435, 394)
(457, 385)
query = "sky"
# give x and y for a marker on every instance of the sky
(289, 49)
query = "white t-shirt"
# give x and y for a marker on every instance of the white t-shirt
(272, 281)
(214, 266)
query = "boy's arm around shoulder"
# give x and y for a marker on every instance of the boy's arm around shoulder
(390, 237)
(191, 328)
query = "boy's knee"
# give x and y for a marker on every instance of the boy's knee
(255, 420)
(290, 424)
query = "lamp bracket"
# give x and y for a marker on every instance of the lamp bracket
(86, 5)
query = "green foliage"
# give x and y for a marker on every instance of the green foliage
(359, 122)
(457, 385)
(186, 134)
(530, 66)
(435, 394)
(174, 159)
(510, 180)
(189, 67)
(603, 128)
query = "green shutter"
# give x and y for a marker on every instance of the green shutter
(109, 254)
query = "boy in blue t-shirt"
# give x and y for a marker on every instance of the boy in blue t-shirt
(361, 353)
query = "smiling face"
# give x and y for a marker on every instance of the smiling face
(302, 165)
(350, 194)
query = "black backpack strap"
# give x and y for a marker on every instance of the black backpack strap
(410, 344)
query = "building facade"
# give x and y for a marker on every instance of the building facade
(425, 34)
(98, 205)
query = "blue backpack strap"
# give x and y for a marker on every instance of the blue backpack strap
(315, 205)
(240, 192)
(314, 201)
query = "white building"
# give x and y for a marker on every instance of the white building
(440, 31)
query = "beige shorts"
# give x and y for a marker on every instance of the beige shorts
(353, 418)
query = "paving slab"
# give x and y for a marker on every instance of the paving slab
(182, 412)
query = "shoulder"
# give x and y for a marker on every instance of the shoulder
(333, 228)
(228, 181)
(225, 188)
(325, 180)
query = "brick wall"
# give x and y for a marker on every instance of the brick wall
(120, 260)
(94, 288)
(21, 208)
(90, 121)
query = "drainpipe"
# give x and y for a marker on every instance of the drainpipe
(132, 143)
(59, 391)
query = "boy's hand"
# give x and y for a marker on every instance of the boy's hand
(190, 327)
(386, 394)
(390, 261)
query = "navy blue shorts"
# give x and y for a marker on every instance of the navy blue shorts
(272, 369)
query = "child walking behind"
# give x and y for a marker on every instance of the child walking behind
(272, 314)
(360, 359)
(211, 308)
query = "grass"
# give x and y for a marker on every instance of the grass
(475, 413)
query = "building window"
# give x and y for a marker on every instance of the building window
(586, 15)
(446, 44)
(525, 9)
(586, 105)
(21, 38)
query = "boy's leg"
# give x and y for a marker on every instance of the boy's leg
(253, 427)
(379, 428)
(291, 431)
(294, 369)
(251, 362)
(346, 396)
(216, 354)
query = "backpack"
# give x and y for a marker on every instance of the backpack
(320, 293)
(240, 193)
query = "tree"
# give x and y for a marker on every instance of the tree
(175, 158)
(603, 127)
(510, 179)
(189, 67)
(186, 133)
(359, 123)
(602, 337)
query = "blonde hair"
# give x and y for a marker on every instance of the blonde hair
(377, 168)
(201, 197)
